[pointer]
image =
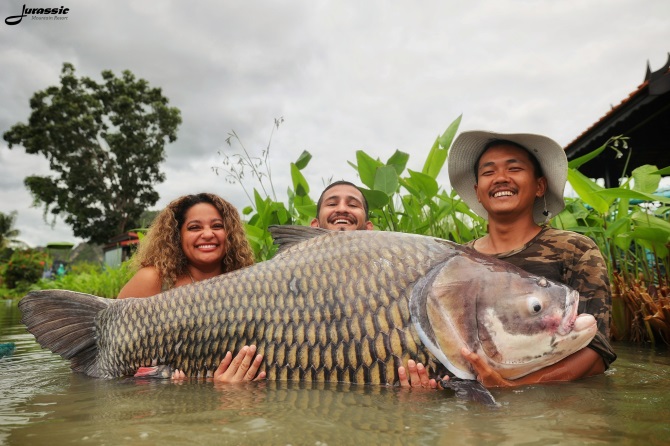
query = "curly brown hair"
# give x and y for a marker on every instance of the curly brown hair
(161, 247)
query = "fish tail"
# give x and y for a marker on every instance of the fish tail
(64, 322)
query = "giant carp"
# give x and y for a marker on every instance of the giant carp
(330, 306)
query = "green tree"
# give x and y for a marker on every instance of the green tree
(104, 142)
(8, 233)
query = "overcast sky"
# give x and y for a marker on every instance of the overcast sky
(345, 75)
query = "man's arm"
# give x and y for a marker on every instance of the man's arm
(585, 362)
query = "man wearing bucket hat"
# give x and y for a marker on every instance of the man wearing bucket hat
(516, 182)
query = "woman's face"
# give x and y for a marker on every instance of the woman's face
(203, 237)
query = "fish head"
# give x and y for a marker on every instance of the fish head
(527, 323)
(515, 321)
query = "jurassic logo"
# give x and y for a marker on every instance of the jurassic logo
(52, 14)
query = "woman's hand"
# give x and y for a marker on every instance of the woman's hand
(418, 376)
(242, 368)
(178, 375)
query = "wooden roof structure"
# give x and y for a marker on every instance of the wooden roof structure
(644, 117)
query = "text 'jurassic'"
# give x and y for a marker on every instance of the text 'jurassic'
(38, 14)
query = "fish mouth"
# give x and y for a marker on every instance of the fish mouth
(568, 321)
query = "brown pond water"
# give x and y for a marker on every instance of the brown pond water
(43, 403)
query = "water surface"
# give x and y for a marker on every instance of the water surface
(43, 402)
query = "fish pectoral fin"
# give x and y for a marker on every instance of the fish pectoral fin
(157, 372)
(469, 389)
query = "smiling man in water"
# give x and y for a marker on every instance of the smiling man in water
(342, 207)
(516, 182)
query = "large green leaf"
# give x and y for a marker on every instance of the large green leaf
(588, 229)
(399, 161)
(367, 168)
(303, 159)
(565, 219)
(578, 162)
(642, 220)
(586, 189)
(280, 214)
(577, 208)
(302, 201)
(616, 192)
(653, 240)
(438, 153)
(653, 235)
(376, 199)
(308, 211)
(424, 183)
(254, 233)
(300, 185)
(619, 231)
(260, 203)
(651, 232)
(646, 178)
(411, 187)
(665, 171)
(386, 180)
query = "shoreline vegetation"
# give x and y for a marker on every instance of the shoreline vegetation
(630, 223)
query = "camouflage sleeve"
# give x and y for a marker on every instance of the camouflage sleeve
(588, 275)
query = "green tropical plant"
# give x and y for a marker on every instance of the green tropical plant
(630, 225)
(404, 200)
(9, 234)
(399, 199)
(24, 268)
(633, 236)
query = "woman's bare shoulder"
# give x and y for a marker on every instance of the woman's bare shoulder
(145, 283)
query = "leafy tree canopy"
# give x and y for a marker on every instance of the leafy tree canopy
(104, 143)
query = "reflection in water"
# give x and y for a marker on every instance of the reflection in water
(44, 403)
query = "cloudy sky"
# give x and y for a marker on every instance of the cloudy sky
(345, 75)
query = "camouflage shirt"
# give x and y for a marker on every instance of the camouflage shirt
(575, 260)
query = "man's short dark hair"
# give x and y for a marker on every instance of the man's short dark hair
(341, 183)
(503, 142)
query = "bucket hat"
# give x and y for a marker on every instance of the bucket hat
(469, 146)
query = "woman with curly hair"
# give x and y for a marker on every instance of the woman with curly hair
(196, 237)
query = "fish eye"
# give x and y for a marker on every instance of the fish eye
(534, 305)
